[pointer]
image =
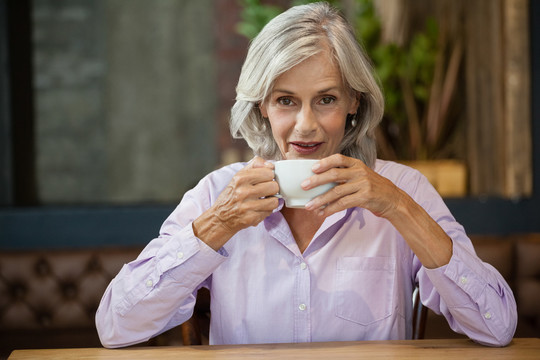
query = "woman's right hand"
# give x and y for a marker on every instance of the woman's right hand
(245, 202)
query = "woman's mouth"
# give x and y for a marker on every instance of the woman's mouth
(305, 148)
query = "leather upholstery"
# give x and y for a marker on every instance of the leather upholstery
(57, 289)
(527, 285)
(48, 299)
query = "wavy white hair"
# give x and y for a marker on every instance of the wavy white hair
(287, 40)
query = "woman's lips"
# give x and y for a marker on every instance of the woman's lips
(305, 148)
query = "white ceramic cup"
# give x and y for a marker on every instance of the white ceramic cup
(290, 174)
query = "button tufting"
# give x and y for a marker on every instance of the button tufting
(69, 290)
(42, 267)
(18, 291)
(93, 264)
(45, 319)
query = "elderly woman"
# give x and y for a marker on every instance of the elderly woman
(342, 268)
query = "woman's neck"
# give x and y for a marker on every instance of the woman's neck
(303, 224)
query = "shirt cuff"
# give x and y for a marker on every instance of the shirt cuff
(186, 258)
(464, 271)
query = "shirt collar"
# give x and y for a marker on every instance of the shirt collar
(277, 226)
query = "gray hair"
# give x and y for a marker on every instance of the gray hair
(286, 41)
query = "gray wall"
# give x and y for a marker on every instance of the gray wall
(125, 99)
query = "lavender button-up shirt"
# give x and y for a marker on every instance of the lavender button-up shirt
(353, 282)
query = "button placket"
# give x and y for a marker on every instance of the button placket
(302, 300)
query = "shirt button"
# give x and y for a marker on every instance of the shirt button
(149, 283)
(302, 307)
(303, 266)
(463, 280)
(487, 315)
(180, 255)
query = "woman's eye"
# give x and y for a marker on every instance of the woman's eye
(285, 101)
(328, 100)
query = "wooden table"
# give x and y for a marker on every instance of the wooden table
(412, 349)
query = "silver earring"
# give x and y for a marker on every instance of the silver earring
(352, 117)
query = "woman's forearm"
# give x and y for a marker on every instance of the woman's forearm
(210, 229)
(427, 239)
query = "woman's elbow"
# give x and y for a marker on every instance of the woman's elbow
(110, 334)
(503, 334)
(106, 331)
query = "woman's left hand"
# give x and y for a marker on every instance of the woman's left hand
(360, 186)
(357, 186)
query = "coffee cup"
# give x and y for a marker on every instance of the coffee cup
(289, 174)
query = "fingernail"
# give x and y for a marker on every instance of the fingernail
(309, 205)
(305, 183)
(316, 166)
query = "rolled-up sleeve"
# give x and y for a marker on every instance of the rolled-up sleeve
(471, 294)
(473, 297)
(155, 292)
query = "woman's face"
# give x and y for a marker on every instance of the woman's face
(307, 109)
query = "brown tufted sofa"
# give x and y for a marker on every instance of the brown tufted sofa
(48, 298)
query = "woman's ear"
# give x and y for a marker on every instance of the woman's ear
(262, 108)
(355, 103)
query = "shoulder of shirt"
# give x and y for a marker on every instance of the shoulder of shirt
(408, 179)
(211, 185)
(228, 170)
(394, 171)
(219, 178)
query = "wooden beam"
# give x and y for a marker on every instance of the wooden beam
(517, 88)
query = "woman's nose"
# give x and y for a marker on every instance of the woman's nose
(306, 121)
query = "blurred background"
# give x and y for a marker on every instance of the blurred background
(111, 109)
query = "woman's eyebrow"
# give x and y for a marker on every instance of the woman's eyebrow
(327, 89)
(283, 91)
(319, 91)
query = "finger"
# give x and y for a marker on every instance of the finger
(267, 204)
(333, 161)
(258, 162)
(333, 175)
(339, 198)
(254, 175)
(265, 189)
(340, 194)
(335, 168)
(255, 160)
(340, 204)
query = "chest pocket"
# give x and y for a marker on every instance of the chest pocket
(364, 288)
